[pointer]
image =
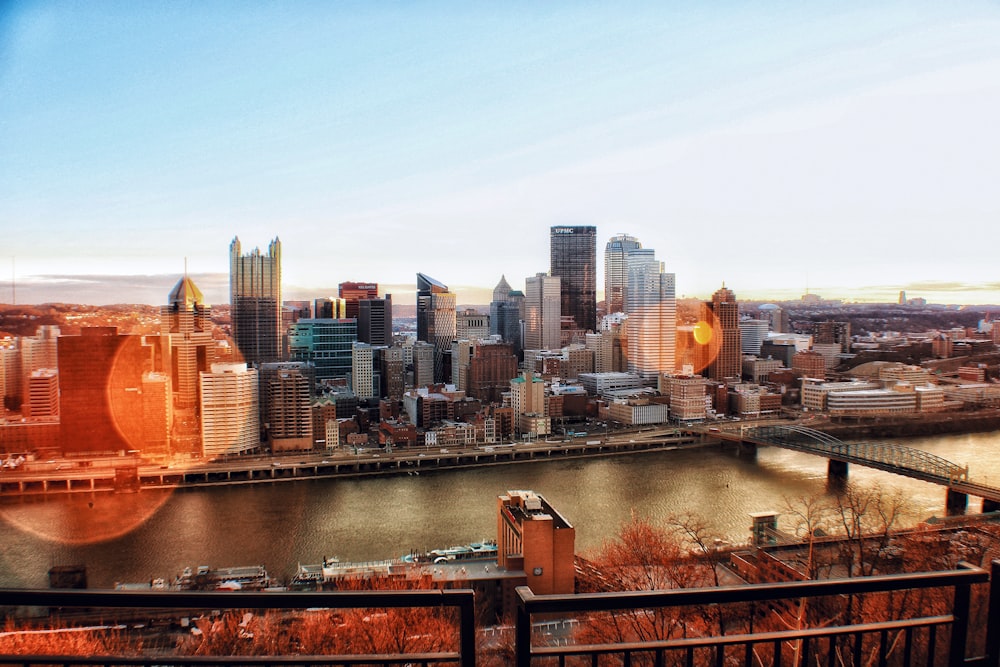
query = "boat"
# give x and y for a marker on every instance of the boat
(485, 550)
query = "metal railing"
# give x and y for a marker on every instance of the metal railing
(743, 647)
(941, 635)
(143, 604)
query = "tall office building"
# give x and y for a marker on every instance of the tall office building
(727, 328)
(436, 321)
(43, 395)
(329, 309)
(573, 259)
(285, 397)
(353, 293)
(186, 330)
(363, 371)
(616, 271)
(229, 414)
(255, 299)
(506, 314)
(38, 352)
(392, 363)
(501, 294)
(375, 321)
(542, 297)
(325, 343)
(491, 368)
(423, 364)
(651, 327)
(102, 404)
(472, 325)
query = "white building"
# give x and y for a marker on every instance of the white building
(753, 333)
(229, 419)
(651, 327)
(362, 371)
(815, 392)
(600, 384)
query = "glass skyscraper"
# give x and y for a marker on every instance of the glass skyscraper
(436, 321)
(255, 298)
(616, 271)
(573, 255)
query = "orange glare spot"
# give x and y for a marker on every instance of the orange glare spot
(703, 332)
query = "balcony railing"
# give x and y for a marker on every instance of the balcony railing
(129, 605)
(937, 638)
(832, 645)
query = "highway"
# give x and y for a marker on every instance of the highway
(129, 473)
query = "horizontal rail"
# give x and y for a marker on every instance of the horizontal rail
(960, 580)
(741, 639)
(461, 599)
(234, 599)
(967, 574)
(200, 660)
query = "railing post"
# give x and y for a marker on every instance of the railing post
(960, 626)
(993, 618)
(522, 630)
(467, 641)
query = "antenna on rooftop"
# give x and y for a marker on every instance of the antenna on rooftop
(13, 282)
(185, 267)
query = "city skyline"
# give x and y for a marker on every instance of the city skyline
(848, 151)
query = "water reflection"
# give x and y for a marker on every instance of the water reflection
(284, 524)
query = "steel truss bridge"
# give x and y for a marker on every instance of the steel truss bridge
(890, 457)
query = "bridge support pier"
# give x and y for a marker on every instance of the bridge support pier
(956, 502)
(747, 448)
(990, 505)
(836, 471)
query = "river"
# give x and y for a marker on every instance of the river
(157, 534)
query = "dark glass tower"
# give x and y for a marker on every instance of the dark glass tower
(255, 299)
(573, 254)
(436, 321)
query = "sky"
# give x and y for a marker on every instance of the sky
(851, 149)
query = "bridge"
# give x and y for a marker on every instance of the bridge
(890, 457)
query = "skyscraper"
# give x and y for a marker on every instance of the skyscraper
(186, 328)
(375, 321)
(506, 313)
(255, 298)
(102, 405)
(285, 399)
(727, 327)
(573, 259)
(436, 321)
(325, 343)
(616, 271)
(353, 293)
(229, 420)
(541, 312)
(651, 327)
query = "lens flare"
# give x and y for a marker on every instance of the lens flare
(698, 338)
(703, 333)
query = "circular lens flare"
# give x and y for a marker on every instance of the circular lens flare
(703, 333)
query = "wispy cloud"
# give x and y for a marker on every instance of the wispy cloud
(95, 289)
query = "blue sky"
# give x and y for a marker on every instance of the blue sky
(849, 147)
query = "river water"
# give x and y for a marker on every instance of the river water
(134, 537)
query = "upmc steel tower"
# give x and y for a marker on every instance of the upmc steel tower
(573, 255)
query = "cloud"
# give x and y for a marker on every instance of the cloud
(99, 290)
